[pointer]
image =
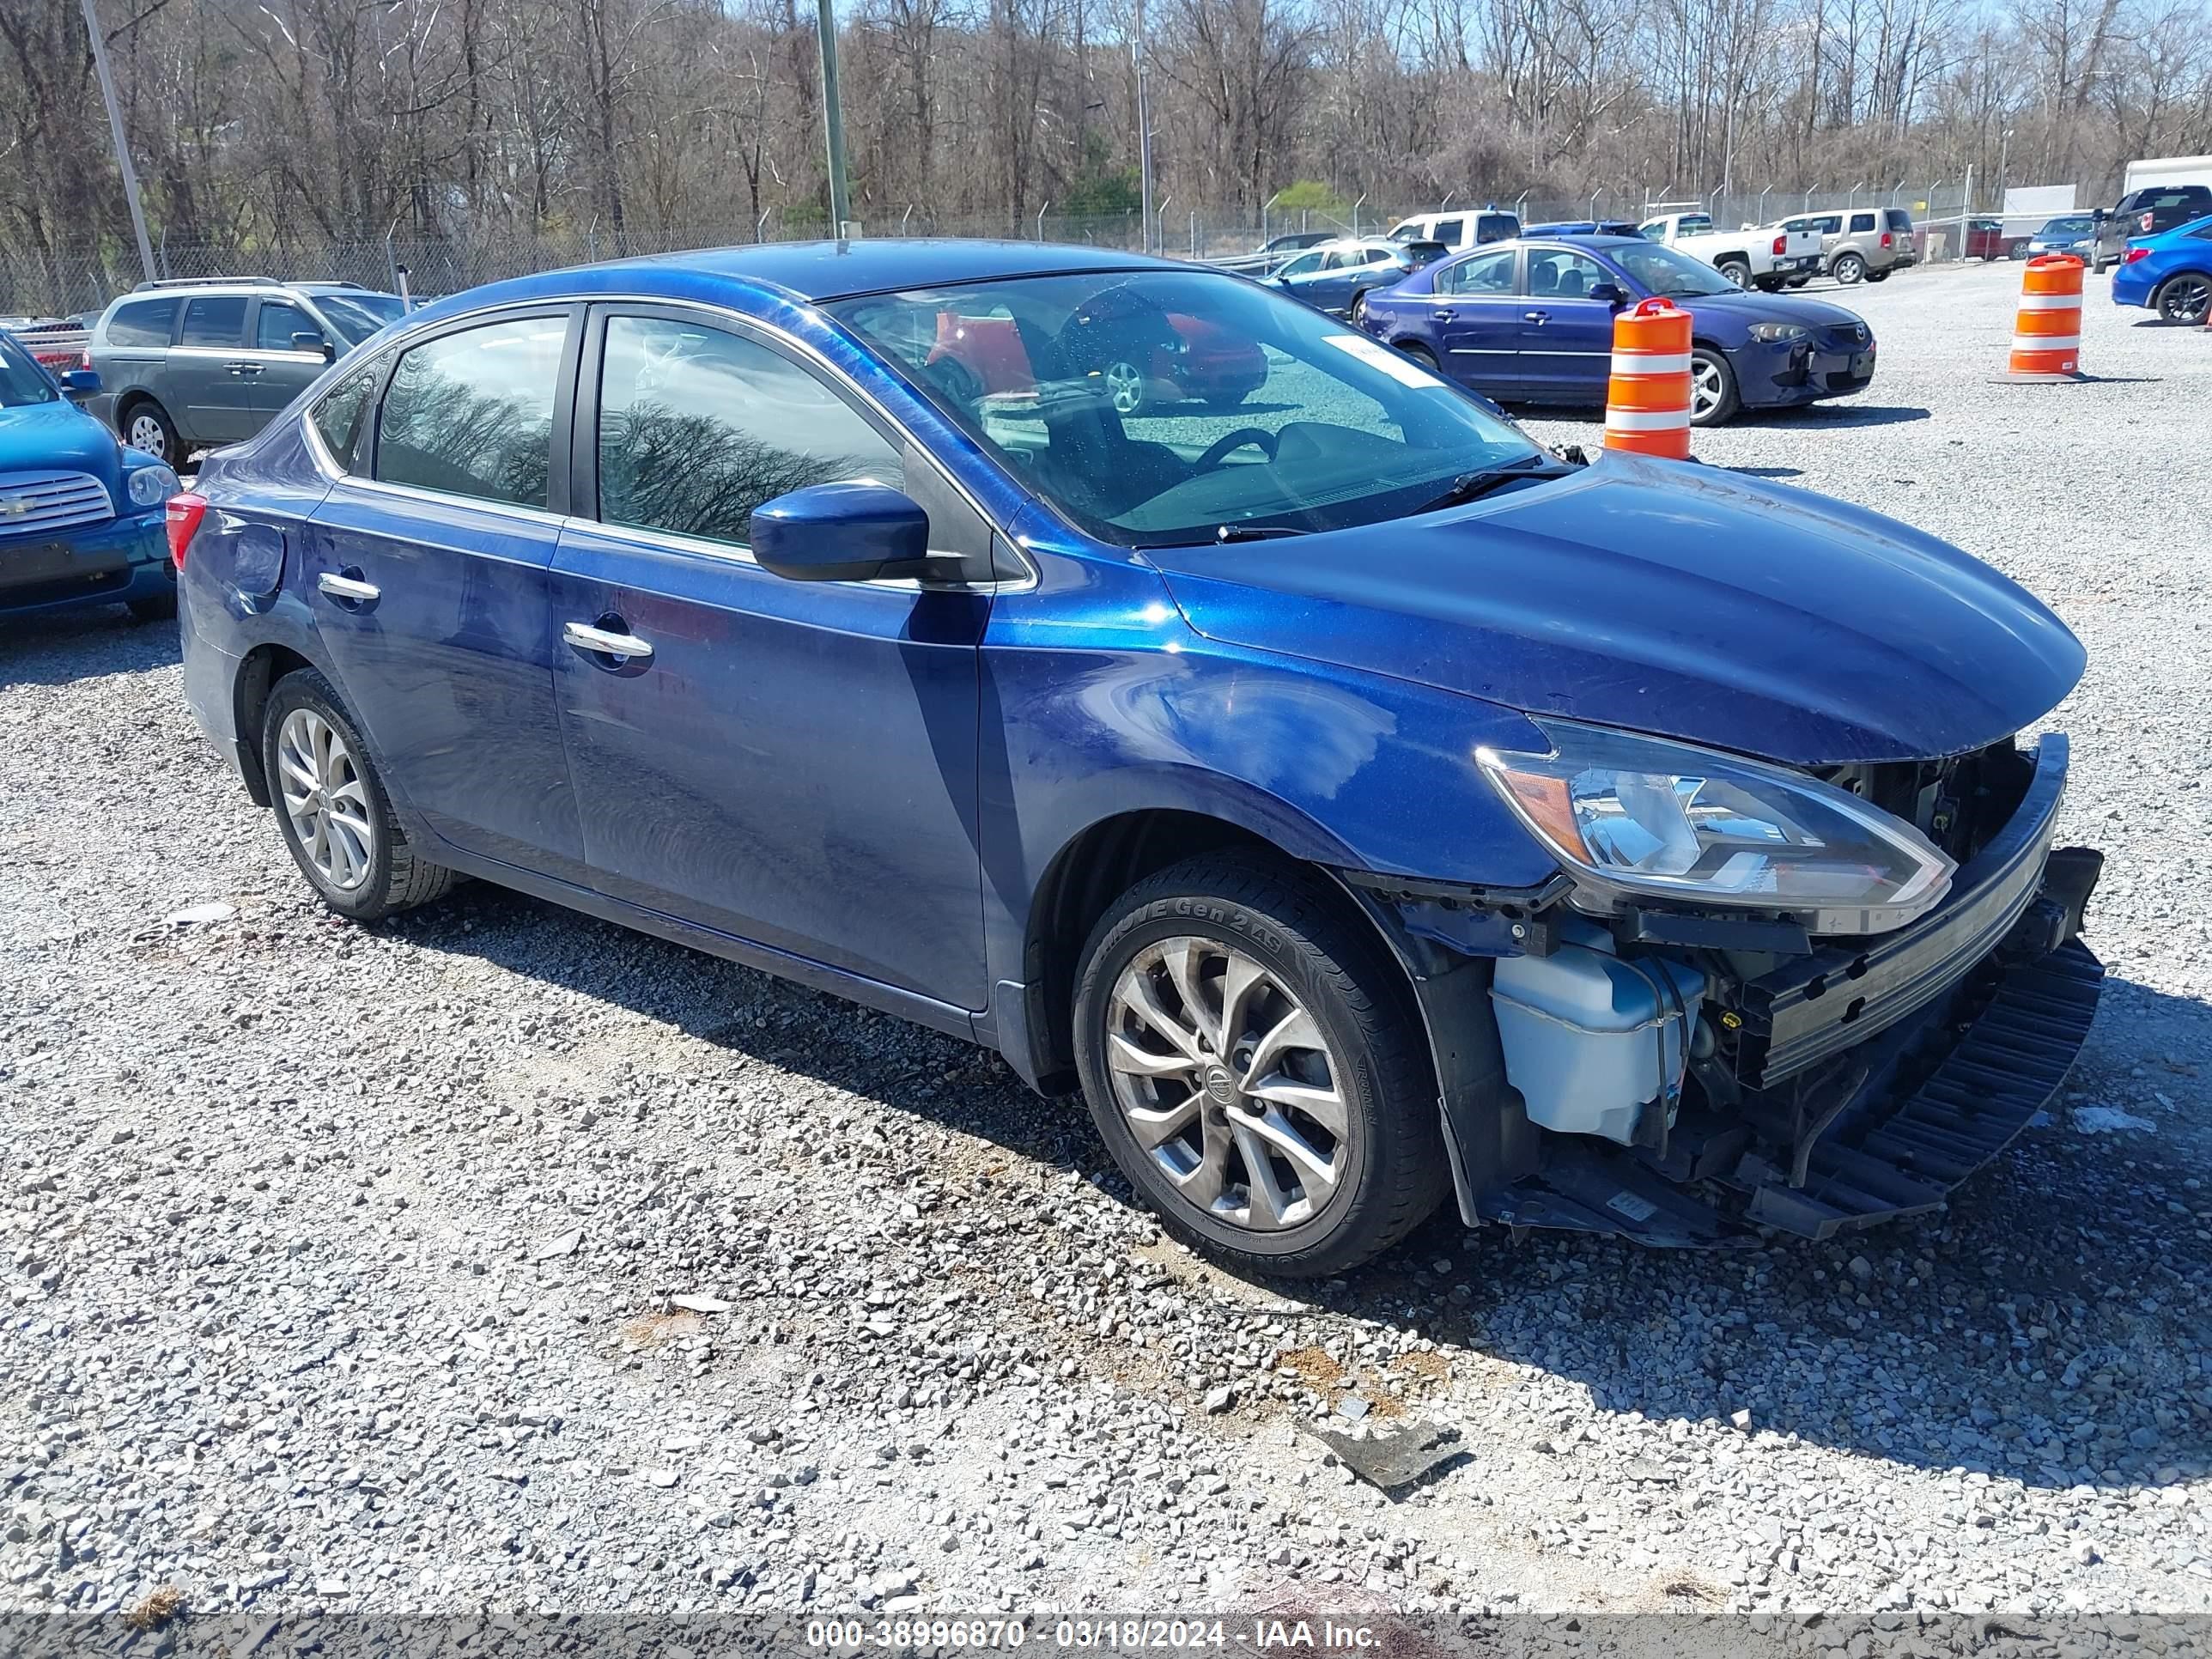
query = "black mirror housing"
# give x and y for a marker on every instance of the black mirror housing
(1610, 294)
(841, 532)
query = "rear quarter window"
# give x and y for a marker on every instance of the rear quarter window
(341, 417)
(1900, 220)
(142, 322)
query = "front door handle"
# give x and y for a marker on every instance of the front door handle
(1441, 314)
(350, 589)
(243, 368)
(606, 641)
(1535, 316)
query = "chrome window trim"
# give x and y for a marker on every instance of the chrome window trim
(328, 465)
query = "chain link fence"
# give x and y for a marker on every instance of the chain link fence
(84, 278)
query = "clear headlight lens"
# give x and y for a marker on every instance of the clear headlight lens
(1633, 815)
(1773, 333)
(149, 486)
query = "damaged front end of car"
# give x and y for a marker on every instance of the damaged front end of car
(1806, 1000)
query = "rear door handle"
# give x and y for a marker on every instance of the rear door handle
(1535, 316)
(351, 589)
(606, 641)
(1441, 314)
(243, 368)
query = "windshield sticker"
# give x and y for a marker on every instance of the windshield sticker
(1400, 368)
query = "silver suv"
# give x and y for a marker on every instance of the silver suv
(190, 365)
(1860, 244)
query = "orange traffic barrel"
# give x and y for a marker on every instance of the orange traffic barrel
(2047, 334)
(1647, 401)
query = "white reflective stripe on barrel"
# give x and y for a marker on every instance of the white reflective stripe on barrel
(1646, 420)
(1651, 362)
(2045, 341)
(2049, 302)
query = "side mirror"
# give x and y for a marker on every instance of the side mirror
(80, 379)
(311, 342)
(841, 532)
(1610, 293)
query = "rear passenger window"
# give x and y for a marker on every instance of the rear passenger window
(698, 426)
(1448, 231)
(1862, 222)
(218, 321)
(1486, 273)
(339, 418)
(471, 413)
(142, 322)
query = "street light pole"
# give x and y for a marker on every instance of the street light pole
(833, 118)
(122, 142)
(1144, 129)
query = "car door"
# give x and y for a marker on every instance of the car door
(208, 377)
(1474, 317)
(1295, 277)
(789, 762)
(1565, 337)
(427, 576)
(285, 370)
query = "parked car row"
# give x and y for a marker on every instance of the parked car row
(671, 590)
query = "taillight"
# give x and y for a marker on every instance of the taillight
(183, 521)
(2134, 254)
(1885, 238)
(1781, 245)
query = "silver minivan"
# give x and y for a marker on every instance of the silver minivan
(190, 365)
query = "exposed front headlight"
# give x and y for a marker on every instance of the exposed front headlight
(1633, 815)
(1774, 333)
(149, 486)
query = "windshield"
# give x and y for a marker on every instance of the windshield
(357, 316)
(2067, 228)
(1663, 271)
(1153, 409)
(22, 382)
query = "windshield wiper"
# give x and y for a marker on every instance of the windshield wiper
(1256, 533)
(1472, 486)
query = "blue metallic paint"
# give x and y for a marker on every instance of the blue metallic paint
(126, 558)
(2185, 247)
(862, 788)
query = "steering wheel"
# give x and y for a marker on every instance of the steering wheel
(1229, 442)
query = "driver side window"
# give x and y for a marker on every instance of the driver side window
(1304, 265)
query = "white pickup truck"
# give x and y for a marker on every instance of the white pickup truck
(1766, 256)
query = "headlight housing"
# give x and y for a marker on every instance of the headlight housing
(1635, 816)
(149, 486)
(1775, 333)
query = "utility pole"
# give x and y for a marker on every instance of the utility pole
(122, 143)
(1144, 130)
(833, 118)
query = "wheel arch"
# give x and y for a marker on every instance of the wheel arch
(258, 670)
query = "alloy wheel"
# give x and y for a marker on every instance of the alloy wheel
(1738, 274)
(1227, 1084)
(2185, 298)
(325, 799)
(1706, 389)
(147, 434)
(1125, 385)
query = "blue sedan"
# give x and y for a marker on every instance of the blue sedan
(1531, 322)
(2171, 273)
(1357, 804)
(80, 517)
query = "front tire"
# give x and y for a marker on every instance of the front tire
(1713, 396)
(2184, 297)
(1254, 1064)
(1848, 269)
(331, 808)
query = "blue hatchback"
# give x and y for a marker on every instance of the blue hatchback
(2171, 273)
(80, 517)
(1356, 803)
(1532, 322)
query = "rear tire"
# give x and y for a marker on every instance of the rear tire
(146, 426)
(159, 608)
(1878, 276)
(1421, 355)
(1222, 972)
(1736, 270)
(331, 808)
(2184, 297)
(1848, 269)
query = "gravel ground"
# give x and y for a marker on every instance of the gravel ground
(343, 1265)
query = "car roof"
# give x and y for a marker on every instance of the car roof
(812, 272)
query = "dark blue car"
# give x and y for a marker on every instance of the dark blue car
(1356, 803)
(80, 517)
(1531, 322)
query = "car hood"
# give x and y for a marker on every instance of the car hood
(58, 437)
(1751, 307)
(1660, 597)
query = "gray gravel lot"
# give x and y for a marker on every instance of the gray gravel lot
(339, 1263)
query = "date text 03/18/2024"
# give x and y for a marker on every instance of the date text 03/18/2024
(1115, 1634)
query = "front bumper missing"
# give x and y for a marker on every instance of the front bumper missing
(1935, 1047)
